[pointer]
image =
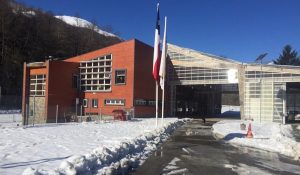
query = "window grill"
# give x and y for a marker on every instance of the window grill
(95, 74)
(37, 85)
(270, 76)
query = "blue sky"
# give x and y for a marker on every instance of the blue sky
(237, 29)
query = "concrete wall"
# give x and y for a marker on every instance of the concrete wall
(37, 110)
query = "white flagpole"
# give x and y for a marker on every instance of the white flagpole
(163, 106)
(156, 109)
(162, 71)
(163, 63)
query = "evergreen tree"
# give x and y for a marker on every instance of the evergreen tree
(288, 57)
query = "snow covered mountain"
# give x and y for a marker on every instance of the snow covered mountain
(79, 22)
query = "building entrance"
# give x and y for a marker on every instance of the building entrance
(293, 101)
(198, 100)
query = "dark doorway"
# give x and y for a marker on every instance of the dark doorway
(293, 101)
(196, 101)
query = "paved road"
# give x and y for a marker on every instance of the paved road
(193, 150)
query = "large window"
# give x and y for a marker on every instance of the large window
(95, 74)
(37, 85)
(120, 77)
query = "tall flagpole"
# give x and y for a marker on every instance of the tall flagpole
(163, 106)
(162, 70)
(156, 109)
(156, 62)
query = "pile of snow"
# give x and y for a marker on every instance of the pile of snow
(44, 147)
(79, 22)
(270, 136)
(117, 159)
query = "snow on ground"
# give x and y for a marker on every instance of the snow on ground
(230, 111)
(79, 147)
(270, 136)
(227, 108)
(79, 22)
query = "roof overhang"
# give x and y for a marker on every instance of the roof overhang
(200, 59)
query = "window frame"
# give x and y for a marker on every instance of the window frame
(85, 103)
(151, 102)
(37, 80)
(96, 74)
(140, 102)
(125, 76)
(95, 105)
(111, 103)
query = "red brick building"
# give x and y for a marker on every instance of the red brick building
(115, 77)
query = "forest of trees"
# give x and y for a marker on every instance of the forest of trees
(31, 37)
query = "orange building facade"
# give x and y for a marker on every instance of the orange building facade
(95, 83)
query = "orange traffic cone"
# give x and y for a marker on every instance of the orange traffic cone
(249, 132)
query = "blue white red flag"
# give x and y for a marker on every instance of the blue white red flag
(156, 54)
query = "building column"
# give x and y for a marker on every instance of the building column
(241, 81)
(25, 94)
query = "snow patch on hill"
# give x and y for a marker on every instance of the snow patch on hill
(79, 22)
(29, 13)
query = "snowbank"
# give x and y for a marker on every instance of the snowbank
(273, 137)
(115, 159)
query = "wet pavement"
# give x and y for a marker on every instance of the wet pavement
(193, 150)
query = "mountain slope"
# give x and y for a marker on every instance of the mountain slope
(79, 22)
(29, 35)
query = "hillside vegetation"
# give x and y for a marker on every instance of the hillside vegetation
(31, 35)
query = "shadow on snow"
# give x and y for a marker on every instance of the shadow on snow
(18, 164)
